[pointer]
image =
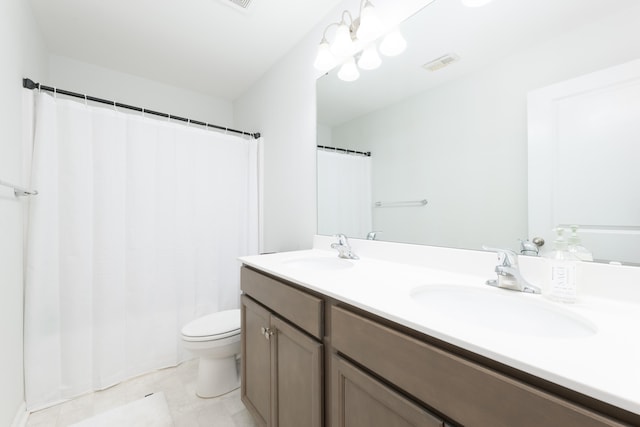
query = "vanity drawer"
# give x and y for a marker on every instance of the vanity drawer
(465, 391)
(302, 309)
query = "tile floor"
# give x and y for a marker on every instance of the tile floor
(178, 385)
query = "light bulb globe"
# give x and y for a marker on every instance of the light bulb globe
(342, 45)
(370, 25)
(393, 44)
(369, 59)
(325, 60)
(349, 71)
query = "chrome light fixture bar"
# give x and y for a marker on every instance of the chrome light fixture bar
(354, 44)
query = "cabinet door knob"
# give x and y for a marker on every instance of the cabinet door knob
(267, 332)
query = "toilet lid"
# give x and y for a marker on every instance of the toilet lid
(216, 325)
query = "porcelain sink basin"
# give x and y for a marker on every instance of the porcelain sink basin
(318, 263)
(502, 310)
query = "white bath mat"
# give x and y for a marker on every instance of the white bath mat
(151, 411)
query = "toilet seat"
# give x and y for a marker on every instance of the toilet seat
(213, 327)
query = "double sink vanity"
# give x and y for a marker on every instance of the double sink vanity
(410, 335)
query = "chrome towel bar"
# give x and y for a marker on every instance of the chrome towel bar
(404, 204)
(17, 190)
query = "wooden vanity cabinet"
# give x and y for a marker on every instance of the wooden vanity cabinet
(281, 365)
(297, 345)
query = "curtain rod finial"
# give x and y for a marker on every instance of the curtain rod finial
(29, 84)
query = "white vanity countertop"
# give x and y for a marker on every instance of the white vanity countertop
(604, 365)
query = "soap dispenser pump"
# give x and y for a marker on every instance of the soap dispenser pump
(576, 248)
(562, 271)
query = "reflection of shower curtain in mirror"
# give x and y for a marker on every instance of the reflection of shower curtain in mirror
(344, 194)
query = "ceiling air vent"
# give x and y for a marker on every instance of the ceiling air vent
(441, 62)
(242, 5)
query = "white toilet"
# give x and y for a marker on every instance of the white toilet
(215, 339)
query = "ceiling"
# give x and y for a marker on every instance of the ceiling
(217, 49)
(479, 36)
(204, 45)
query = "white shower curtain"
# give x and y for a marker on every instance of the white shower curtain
(344, 194)
(135, 231)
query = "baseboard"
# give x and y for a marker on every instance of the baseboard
(20, 420)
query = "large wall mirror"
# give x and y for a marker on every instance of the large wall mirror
(457, 137)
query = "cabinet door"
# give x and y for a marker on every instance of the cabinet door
(361, 401)
(256, 361)
(298, 377)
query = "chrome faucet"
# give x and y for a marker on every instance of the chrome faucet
(343, 247)
(509, 276)
(372, 235)
(531, 247)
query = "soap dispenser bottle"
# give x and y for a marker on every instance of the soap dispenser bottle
(576, 248)
(562, 284)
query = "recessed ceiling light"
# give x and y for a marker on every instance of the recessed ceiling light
(441, 62)
(242, 5)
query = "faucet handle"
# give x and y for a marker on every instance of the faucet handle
(529, 248)
(372, 235)
(507, 257)
(342, 239)
(343, 247)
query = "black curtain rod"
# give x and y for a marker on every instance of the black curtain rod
(30, 84)
(345, 150)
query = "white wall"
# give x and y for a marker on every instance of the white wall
(282, 106)
(22, 54)
(470, 137)
(77, 76)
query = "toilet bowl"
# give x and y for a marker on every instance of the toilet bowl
(215, 340)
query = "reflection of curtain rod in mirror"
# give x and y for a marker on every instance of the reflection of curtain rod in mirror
(344, 150)
(405, 204)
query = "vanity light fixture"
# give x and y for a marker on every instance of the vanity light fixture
(355, 39)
